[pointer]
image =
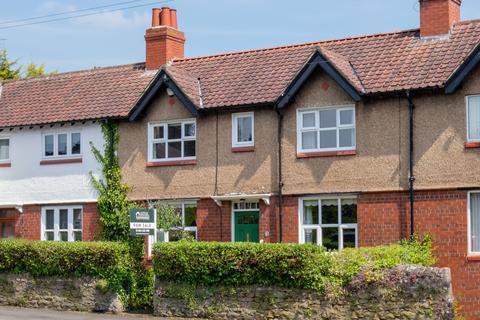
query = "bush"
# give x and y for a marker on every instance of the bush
(109, 261)
(287, 265)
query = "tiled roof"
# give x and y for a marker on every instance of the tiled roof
(372, 64)
(84, 95)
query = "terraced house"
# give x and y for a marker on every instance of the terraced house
(351, 142)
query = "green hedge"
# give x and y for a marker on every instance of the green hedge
(107, 260)
(287, 265)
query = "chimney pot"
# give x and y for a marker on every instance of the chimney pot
(165, 19)
(437, 17)
(173, 18)
(155, 17)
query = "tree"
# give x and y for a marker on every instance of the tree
(8, 69)
(34, 70)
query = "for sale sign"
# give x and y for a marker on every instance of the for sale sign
(143, 222)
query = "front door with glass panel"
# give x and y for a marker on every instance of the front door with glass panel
(246, 216)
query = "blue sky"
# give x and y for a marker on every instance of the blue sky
(210, 26)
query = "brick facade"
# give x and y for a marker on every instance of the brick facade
(384, 218)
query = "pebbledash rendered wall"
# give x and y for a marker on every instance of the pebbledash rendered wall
(405, 292)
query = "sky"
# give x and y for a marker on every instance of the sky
(210, 26)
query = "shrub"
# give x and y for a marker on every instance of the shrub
(287, 265)
(109, 261)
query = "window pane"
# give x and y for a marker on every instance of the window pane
(308, 120)
(347, 137)
(190, 216)
(328, 139)
(474, 118)
(310, 236)
(328, 119)
(310, 212)
(49, 219)
(48, 145)
(329, 211)
(77, 236)
(174, 131)
(4, 149)
(349, 211)
(158, 132)
(63, 219)
(349, 238)
(475, 221)
(189, 130)
(330, 238)
(49, 236)
(77, 218)
(62, 144)
(309, 140)
(244, 129)
(346, 117)
(63, 235)
(189, 148)
(76, 143)
(159, 150)
(175, 149)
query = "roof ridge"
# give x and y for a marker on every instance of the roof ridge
(297, 45)
(60, 74)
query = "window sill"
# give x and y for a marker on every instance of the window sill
(60, 161)
(243, 149)
(301, 155)
(5, 165)
(473, 258)
(172, 163)
(471, 145)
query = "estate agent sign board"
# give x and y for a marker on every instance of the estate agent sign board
(142, 222)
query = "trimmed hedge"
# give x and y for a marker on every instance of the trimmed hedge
(106, 260)
(287, 265)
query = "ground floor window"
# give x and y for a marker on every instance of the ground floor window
(7, 224)
(188, 212)
(329, 222)
(62, 223)
(474, 223)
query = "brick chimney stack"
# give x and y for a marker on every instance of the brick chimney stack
(438, 16)
(164, 41)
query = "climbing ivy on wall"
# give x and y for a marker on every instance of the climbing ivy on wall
(113, 202)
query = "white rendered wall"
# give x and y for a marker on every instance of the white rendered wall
(28, 182)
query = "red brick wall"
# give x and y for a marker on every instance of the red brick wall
(438, 16)
(162, 45)
(92, 227)
(384, 218)
(268, 223)
(290, 219)
(214, 222)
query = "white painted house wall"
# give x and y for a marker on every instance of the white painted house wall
(28, 182)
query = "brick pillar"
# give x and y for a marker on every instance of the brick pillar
(214, 222)
(92, 228)
(28, 225)
(290, 219)
(268, 221)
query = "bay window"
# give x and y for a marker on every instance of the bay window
(62, 223)
(326, 129)
(329, 222)
(173, 140)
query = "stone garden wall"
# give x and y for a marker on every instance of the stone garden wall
(404, 292)
(75, 294)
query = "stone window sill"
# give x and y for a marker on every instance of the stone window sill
(243, 149)
(172, 163)
(60, 161)
(473, 258)
(5, 165)
(301, 155)
(471, 145)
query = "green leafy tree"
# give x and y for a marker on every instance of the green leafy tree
(8, 68)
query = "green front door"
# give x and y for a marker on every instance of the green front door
(246, 226)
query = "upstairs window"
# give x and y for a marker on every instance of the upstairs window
(242, 129)
(58, 145)
(174, 140)
(473, 118)
(4, 149)
(326, 129)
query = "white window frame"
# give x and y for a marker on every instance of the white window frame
(469, 225)
(235, 117)
(319, 226)
(317, 128)
(467, 103)
(7, 137)
(182, 205)
(151, 140)
(55, 135)
(56, 222)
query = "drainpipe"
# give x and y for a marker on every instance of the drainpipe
(280, 180)
(411, 177)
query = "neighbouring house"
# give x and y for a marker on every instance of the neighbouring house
(332, 143)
